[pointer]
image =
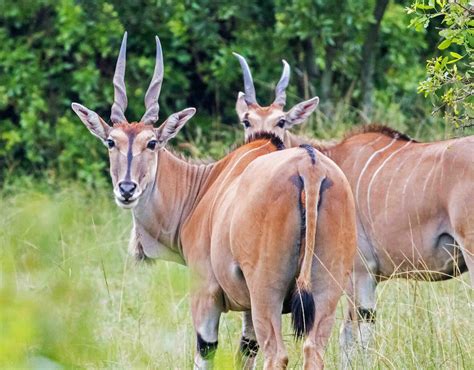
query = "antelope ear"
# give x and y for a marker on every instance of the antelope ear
(173, 124)
(300, 112)
(96, 125)
(241, 106)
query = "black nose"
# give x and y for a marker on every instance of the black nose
(127, 188)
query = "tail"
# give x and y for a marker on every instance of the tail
(303, 309)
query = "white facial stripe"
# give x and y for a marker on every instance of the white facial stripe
(274, 117)
(120, 136)
(140, 142)
(265, 122)
(252, 116)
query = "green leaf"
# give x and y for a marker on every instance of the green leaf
(445, 44)
(424, 7)
(455, 55)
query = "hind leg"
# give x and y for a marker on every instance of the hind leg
(466, 242)
(332, 266)
(266, 317)
(267, 288)
(326, 299)
(462, 219)
(267, 322)
(269, 271)
(248, 349)
(333, 261)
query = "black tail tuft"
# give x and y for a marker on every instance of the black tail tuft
(303, 311)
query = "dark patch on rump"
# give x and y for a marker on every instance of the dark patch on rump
(264, 135)
(248, 347)
(325, 184)
(297, 180)
(207, 350)
(311, 151)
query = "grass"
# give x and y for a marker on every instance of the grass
(71, 298)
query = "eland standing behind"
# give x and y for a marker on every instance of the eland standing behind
(414, 201)
(262, 229)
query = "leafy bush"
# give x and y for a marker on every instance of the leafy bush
(55, 52)
(450, 78)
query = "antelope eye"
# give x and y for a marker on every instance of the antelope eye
(110, 143)
(246, 123)
(281, 123)
(152, 144)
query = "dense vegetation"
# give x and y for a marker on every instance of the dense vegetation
(450, 76)
(358, 56)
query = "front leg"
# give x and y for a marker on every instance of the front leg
(207, 306)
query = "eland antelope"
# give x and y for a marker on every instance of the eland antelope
(414, 201)
(262, 230)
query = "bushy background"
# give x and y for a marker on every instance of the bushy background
(55, 52)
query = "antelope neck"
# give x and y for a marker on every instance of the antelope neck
(170, 199)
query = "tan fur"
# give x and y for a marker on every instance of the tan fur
(407, 195)
(251, 222)
(409, 180)
(257, 119)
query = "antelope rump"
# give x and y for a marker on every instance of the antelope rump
(414, 201)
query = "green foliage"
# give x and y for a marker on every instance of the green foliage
(55, 52)
(51, 54)
(450, 76)
(327, 24)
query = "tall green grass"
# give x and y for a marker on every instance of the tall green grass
(71, 298)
